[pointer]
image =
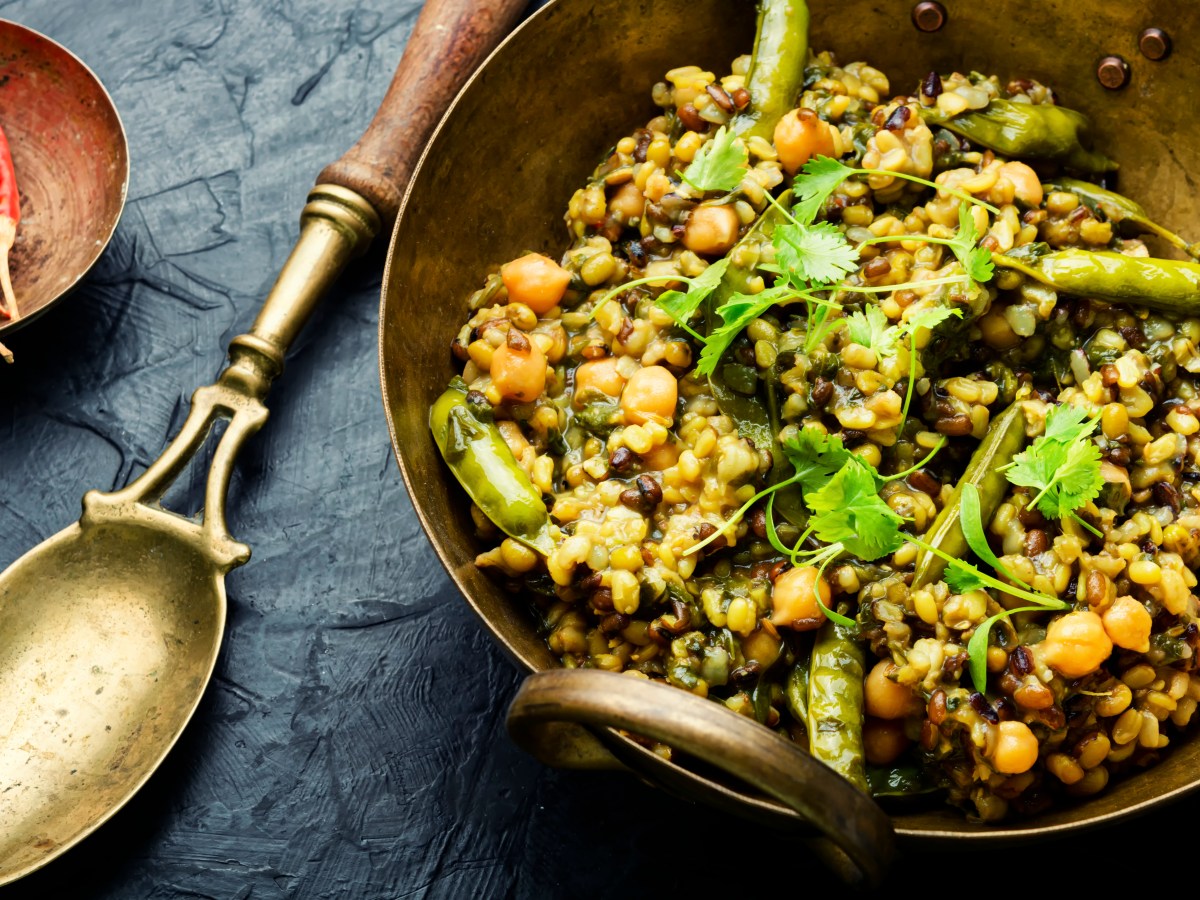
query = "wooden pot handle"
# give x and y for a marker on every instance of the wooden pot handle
(850, 820)
(450, 40)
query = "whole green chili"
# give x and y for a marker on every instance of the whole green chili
(1028, 131)
(476, 453)
(776, 73)
(835, 703)
(1167, 285)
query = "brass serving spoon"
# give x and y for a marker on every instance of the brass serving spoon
(110, 629)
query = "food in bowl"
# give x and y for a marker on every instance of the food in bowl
(866, 416)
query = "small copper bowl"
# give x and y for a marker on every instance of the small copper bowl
(494, 182)
(71, 161)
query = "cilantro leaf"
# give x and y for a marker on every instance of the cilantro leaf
(1067, 424)
(815, 456)
(819, 178)
(976, 261)
(1079, 481)
(1063, 465)
(720, 165)
(930, 317)
(736, 314)
(963, 579)
(872, 329)
(682, 306)
(848, 510)
(816, 253)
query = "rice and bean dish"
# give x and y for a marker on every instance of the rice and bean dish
(862, 415)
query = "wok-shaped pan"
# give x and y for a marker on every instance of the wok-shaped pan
(494, 182)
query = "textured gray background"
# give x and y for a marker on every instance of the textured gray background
(351, 743)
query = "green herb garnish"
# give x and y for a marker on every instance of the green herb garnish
(821, 176)
(720, 165)
(1063, 465)
(971, 520)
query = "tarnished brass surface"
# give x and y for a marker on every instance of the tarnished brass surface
(496, 179)
(848, 819)
(110, 629)
(71, 161)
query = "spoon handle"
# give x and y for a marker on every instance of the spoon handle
(450, 40)
(362, 191)
(354, 198)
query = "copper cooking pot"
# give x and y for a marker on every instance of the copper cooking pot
(494, 183)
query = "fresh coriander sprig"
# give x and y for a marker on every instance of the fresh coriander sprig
(820, 177)
(976, 261)
(980, 578)
(841, 491)
(1063, 465)
(740, 311)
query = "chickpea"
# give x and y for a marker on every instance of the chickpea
(649, 396)
(799, 136)
(1076, 644)
(1027, 186)
(1016, 748)
(887, 699)
(535, 280)
(1128, 624)
(794, 599)
(883, 740)
(519, 373)
(628, 202)
(762, 646)
(711, 230)
(597, 376)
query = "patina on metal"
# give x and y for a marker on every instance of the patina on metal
(110, 629)
(494, 183)
(72, 164)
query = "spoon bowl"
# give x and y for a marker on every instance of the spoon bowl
(108, 632)
(71, 161)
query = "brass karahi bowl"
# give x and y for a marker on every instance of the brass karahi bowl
(529, 128)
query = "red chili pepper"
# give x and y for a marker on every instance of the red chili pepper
(10, 215)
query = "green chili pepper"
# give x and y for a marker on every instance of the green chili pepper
(796, 690)
(1004, 440)
(1028, 131)
(1120, 210)
(835, 703)
(476, 453)
(1168, 285)
(776, 73)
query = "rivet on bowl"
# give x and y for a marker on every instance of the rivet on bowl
(929, 16)
(1113, 72)
(1155, 44)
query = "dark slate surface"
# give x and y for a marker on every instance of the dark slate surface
(351, 743)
